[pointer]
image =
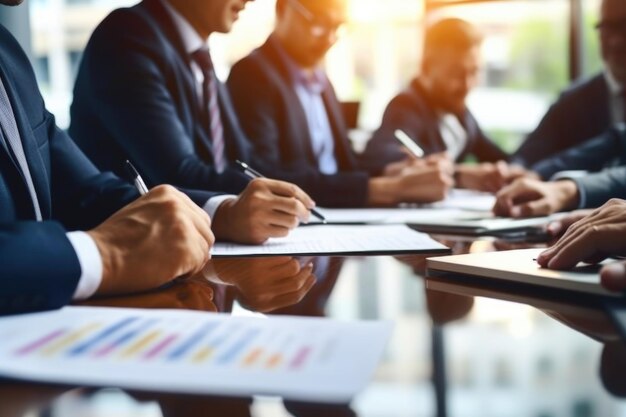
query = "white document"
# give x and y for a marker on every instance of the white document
(338, 240)
(190, 352)
(519, 266)
(391, 215)
(466, 200)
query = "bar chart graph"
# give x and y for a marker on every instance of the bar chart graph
(193, 352)
(134, 339)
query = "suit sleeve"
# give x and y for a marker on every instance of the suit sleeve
(39, 267)
(262, 119)
(592, 155)
(598, 188)
(125, 80)
(383, 149)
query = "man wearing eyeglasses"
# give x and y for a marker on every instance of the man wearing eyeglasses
(589, 108)
(289, 111)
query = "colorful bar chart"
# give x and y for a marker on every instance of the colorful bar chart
(190, 352)
(134, 339)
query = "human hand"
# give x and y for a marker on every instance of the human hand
(613, 276)
(590, 240)
(266, 284)
(266, 208)
(489, 177)
(527, 198)
(160, 236)
(558, 227)
(411, 161)
(419, 184)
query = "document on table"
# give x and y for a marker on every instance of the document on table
(466, 200)
(177, 351)
(338, 240)
(395, 215)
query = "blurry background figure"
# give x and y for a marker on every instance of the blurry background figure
(289, 110)
(432, 110)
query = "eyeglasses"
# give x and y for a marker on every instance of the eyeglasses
(612, 27)
(317, 27)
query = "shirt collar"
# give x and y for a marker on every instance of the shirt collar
(614, 86)
(191, 39)
(315, 83)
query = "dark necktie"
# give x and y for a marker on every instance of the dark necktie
(11, 136)
(623, 97)
(211, 106)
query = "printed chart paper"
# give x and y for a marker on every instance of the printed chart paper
(177, 351)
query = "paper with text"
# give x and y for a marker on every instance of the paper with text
(338, 240)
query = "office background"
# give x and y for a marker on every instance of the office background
(527, 57)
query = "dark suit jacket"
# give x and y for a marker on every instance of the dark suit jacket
(38, 266)
(135, 98)
(274, 120)
(412, 112)
(580, 114)
(606, 150)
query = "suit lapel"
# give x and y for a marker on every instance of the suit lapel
(296, 112)
(38, 170)
(165, 25)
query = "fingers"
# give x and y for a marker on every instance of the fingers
(286, 189)
(613, 276)
(518, 192)
(535, 208)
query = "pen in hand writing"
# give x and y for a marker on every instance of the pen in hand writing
(137, 180)
(406, 141)
(252, 173)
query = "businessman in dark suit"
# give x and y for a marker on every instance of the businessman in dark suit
(589, 108)
(68, 231)
(146, 91)
(289, 111)
(604, 151)
(433, 113)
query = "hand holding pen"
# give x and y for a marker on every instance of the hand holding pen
(252, 173)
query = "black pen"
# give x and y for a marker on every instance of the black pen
(252, 173)
(137, 180)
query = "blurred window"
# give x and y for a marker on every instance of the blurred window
(525, 53)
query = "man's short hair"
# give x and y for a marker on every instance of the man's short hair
(451, 33)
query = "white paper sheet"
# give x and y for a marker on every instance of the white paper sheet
(193, 352)
(396, 215)
(337, 240)
(466, 200)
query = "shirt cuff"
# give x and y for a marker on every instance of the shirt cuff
(582, 193)
(90, 264)
(214, 203)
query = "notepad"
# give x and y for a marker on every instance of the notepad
(177, 351)
(338, 240)
(518, 266)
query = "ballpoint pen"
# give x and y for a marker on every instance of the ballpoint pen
(252, 173)
(406, 141)
(137, 180)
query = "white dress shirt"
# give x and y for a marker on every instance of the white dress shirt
(86, 250)
(453, 134)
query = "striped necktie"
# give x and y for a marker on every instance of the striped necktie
(211, 106)
(11, 136)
